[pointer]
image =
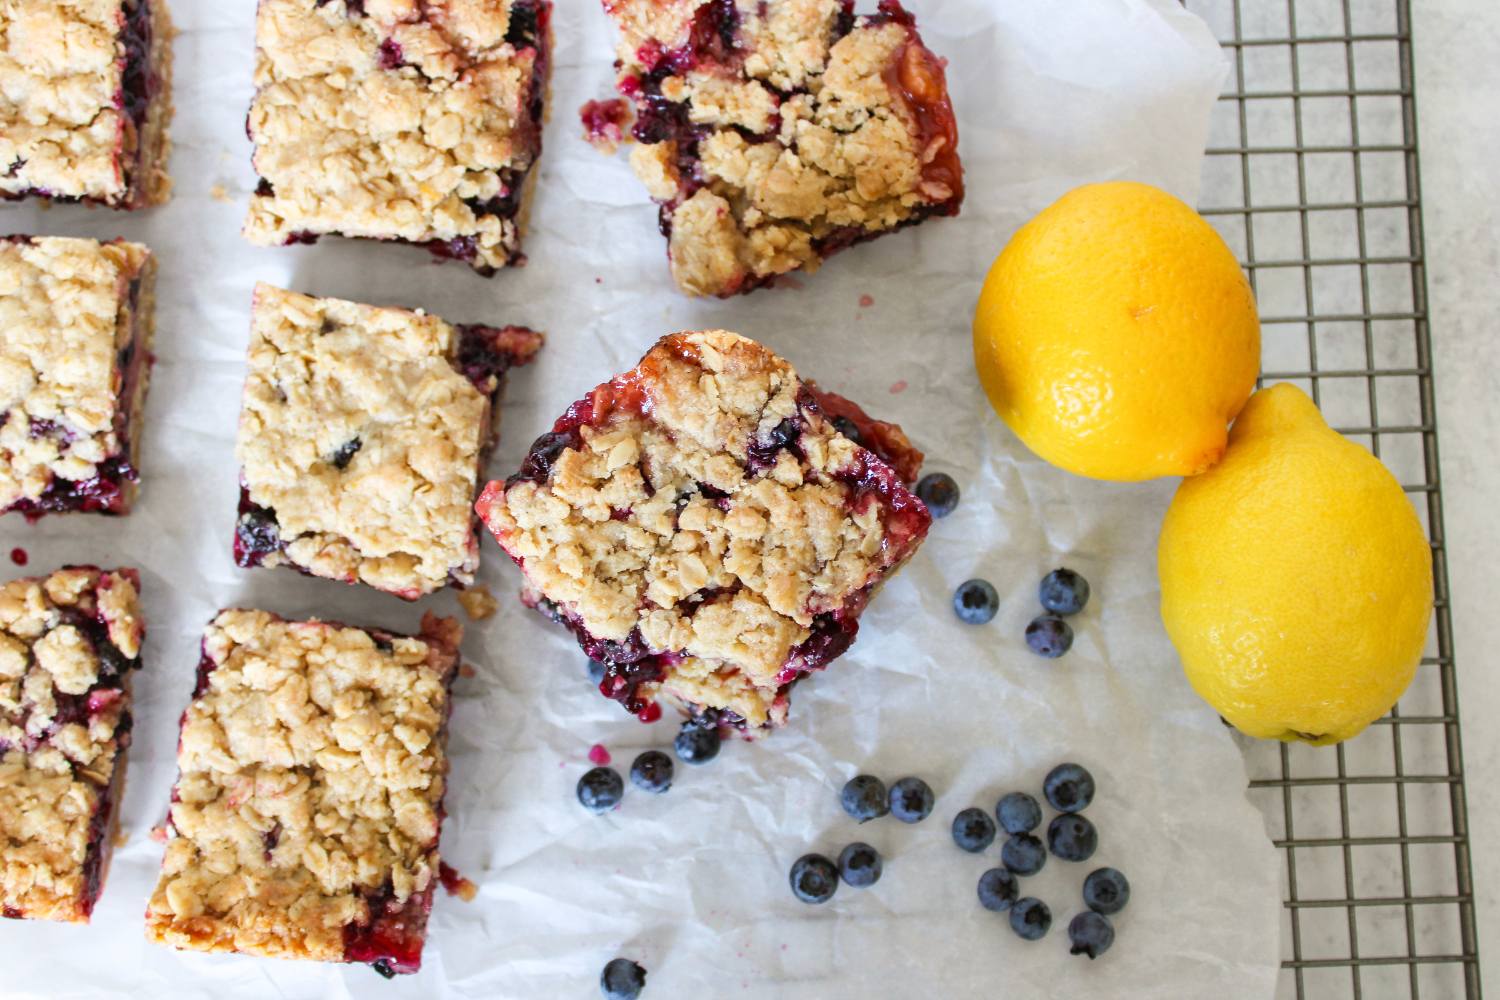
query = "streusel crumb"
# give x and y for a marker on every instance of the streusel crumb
(398, 120)
(67, 644)
(701, 513)
(775, 135)
(310, 791)
(77, 317)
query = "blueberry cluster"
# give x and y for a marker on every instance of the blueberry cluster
(1068, 788)
(601, 788)
(1062, 593)
(814, 878)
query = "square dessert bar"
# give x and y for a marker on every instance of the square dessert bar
(774, 133)
(85, 100)
(417, 122)
(710, 526)
(67, 645)
(76, 325)
(304, 822)
(362, 437)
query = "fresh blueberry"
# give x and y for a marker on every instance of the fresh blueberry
(939, 492)
(696, 744)
(864, 798)
(911, 800)
(1023, 854)
(814, 879)
(1018, 813)
(975, 601)
(973, 830)
(1030, 918)
(1049, 636)
(622, 979)
(596, 672)
(1069, 787)
(860, 865)
(1063, 592)
(601, 789)
(1072, 837)
(652, 772)
(997, 889)
(1106, 891)
(1091, 934)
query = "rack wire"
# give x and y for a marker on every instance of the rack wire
(1312, 177)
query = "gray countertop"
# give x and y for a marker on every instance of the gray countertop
(1457, 61)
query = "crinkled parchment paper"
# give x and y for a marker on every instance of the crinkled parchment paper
(693, 884)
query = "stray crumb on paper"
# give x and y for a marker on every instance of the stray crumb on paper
(220, 193)
(478, 603)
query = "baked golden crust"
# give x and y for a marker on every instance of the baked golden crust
(310, 789)
(70, 309)
(66, 128)
(64, 726)
(794, 131)
(395, 120)
(362, 437)
(705, 508)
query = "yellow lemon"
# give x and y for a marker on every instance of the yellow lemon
(1117, 336)
(1296, 579)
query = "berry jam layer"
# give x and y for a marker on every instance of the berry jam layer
(361, 440)
(107, 142)
(706, 529)
(68, 643)
(79, 321)
(415, 123)
(300, 829)
(775, 134)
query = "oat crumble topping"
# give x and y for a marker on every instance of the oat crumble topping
(70, 310)
(83, 114)
(310, 790)
(478, 603)
(412, 120)
(776, 133)
(362, 439)
(67, 644)
(705, 507)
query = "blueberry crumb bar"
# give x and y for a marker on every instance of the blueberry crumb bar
(85, 100)
(68, 643)
(774, 133)
(305, 819)
(416, 122)
(710, 526)
(362, 437)
(76, 327)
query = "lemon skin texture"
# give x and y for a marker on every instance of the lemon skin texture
(1117, 336)
(1296, 578)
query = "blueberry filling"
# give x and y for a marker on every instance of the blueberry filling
(345, 453)
(256, 533)
(783, 437)
(391, 56)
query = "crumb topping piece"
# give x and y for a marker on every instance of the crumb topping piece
(397, 119)
(776, 134)
(72, 122)
(704, 506)
(310, 788)
(69, 312)
(67, 643)
(362, 437)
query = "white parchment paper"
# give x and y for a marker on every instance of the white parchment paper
(1050, 94)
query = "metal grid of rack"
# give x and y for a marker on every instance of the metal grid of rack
(1312, 177)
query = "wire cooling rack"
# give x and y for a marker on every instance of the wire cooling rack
(1312, 177)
